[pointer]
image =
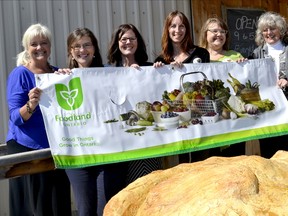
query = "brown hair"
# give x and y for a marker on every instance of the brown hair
(76, 35)
(114, 53)
(166, 42)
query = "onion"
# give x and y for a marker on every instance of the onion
(233, 115)
(226, 114)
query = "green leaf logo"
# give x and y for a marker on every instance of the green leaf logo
(71, 97)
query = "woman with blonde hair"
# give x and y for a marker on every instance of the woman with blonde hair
(46, 193)
(214, 36)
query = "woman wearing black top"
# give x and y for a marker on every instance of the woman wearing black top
(177, 49)
(127, 49)
(177, 45)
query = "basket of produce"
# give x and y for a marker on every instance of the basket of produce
(201, 97)
(246, 102)
(247, 91)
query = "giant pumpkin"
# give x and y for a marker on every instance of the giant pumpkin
(242, 185)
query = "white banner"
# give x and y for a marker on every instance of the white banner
(77, 107)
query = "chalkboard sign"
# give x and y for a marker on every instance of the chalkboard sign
(242, 25)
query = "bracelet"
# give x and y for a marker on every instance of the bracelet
(29, 108)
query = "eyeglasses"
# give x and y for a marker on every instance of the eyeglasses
(124, 40)
(77, 47)
(269, 28)
(216, 31)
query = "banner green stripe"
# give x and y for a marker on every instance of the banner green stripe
(171, 148)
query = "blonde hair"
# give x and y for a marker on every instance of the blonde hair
(203, 33)
(33, 31)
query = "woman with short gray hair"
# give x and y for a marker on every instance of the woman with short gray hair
(271, 38)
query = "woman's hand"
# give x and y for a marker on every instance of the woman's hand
(241, 60)
(158, 64)
(28, 109)
(282, 83)
(63, 71)
(34, 97)
(177, 64)
(135, 66)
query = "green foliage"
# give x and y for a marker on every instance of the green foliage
(263, 105)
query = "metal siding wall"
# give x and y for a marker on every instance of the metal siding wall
(3, 106)
(62, 16)
(4, 201)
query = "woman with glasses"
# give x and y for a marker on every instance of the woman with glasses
(214, 37)
(92, 186)
(127, 49)
(177, 45)
(271, 38)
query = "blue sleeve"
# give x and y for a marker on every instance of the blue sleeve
(19, 83)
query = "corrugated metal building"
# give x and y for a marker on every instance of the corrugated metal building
(63, 16)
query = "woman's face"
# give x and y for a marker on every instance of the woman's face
(271, 35)
(177, 30)
(39, 49)
(83, 51)
(128, 43)
(216, 36)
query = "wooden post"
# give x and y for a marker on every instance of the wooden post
(253, 147)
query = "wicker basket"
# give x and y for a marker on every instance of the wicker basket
(199, 107)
